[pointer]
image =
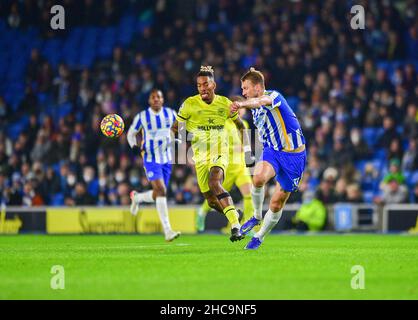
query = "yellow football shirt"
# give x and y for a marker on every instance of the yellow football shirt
(206, 122)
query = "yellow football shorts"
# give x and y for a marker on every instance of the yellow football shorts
(237, 174)
(203, 169)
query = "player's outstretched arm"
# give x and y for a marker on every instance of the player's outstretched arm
(251, 103)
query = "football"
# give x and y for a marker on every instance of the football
(112, 126)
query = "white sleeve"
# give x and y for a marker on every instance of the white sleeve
(174, 114)
(276, 101)
(133, 130)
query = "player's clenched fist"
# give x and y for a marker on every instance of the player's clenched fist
(235, 106)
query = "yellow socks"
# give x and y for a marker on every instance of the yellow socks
(232, 215)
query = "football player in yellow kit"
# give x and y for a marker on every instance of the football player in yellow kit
(236, 173)
(205, 116)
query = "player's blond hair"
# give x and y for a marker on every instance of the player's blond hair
(253, 75)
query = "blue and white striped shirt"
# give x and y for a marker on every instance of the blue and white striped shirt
(277, 124)
(156, 138)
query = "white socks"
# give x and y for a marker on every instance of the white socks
(162, 209)
(270, 220)
(144, 197)
(258, 199)
(161, 204)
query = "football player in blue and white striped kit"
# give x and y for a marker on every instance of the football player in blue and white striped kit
(284, 154)
(154, 123)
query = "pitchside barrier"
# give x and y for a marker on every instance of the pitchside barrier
(341, 217)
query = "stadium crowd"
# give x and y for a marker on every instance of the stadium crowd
(354, 92)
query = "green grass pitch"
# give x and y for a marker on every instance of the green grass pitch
(201, 267)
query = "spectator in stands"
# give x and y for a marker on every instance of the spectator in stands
(3, 185)
(341, 190)
(52, 181)
(62, 84)
(34, 65)
(395, 149)
(394, 173)
(389, 133)
(393, 192)
(4, 112)
(354, 194)
(312, 215)
(29, 103)
(411, 121)
(369, 178)
(326, 192)
(45, 78)
(42, 148)
(359, 147)
(30, 197)
(110, 13)
(14, 19)
(32, 130)
(410, 158)
(81, 196)
(340, 154)
(13, 194)
(414, 198)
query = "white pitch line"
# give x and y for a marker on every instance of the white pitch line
(138, 247)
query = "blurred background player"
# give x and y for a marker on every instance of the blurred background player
(236, 173)
(205, 116)
(284, 153)
(154, 124)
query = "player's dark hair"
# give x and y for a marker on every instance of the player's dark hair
(255, 76)
(155, 90)
(206, 71)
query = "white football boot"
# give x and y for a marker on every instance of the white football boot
(134, 203)
(171, 235)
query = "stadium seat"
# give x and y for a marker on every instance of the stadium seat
(368, 196)
(380, 154)
(93, 188)
(64, 109)
(57, 199)
(413, 179)
(370, 136)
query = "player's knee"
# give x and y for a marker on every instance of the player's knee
(212, 203)
(259, 181)
(160, 191)
(276, 206)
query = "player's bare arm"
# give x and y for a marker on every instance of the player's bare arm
(175, 128)
(251, 103)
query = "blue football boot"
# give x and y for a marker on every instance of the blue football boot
(254, 244)
(249, 225)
